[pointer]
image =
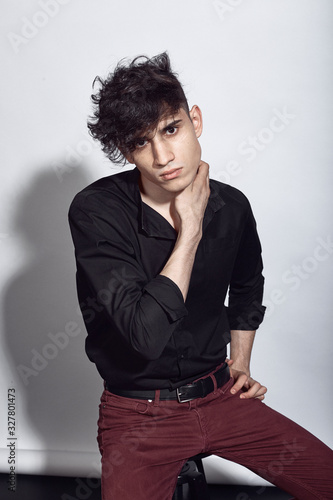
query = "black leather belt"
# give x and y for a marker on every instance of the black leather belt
(183, 394)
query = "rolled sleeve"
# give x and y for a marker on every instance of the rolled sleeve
(143, 311)
(168, 296)
(246, 311)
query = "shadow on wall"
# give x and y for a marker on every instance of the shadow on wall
(44, 332)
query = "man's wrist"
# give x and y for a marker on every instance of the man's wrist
(240, 349)
(241, 368)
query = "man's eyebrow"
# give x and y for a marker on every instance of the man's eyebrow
(171, 124)
(145, 136)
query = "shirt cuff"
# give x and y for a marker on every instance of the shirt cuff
(249, 320)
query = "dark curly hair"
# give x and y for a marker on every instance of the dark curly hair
(131, 101)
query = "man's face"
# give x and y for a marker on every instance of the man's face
(168, 157)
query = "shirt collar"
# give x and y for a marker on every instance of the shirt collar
(215, 203)
(156, 226)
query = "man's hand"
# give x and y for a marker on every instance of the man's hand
(243, 382)
(190, 204)
(188, 212)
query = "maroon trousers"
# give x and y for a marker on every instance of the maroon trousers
(144, 445)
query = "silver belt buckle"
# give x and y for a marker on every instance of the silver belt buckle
(179, 394)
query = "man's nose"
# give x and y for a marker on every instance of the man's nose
(162, 153)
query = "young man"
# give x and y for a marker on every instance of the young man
(157, 249)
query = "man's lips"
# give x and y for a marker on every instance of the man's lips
(172, 173)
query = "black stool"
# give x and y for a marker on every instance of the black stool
(191, 483)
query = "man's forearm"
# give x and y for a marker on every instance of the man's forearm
(189, 208)
(241, 348)
(180, 264)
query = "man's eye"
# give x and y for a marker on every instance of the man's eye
(140, 143)
(171, 130)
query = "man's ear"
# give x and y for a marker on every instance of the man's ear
(128, 157)
(196, 118)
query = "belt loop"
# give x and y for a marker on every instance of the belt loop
(214, 382)
(157, 397)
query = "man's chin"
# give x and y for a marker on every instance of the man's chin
(177, 187)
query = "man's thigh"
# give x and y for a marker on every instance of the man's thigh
(144, 446)
(252, 434)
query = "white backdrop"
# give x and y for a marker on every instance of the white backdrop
(261, 70)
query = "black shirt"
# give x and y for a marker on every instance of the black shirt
(141, 334)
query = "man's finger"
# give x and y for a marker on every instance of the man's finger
(256, 391)
(203, 169)
(238, 384)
